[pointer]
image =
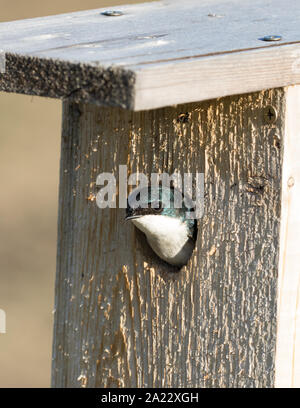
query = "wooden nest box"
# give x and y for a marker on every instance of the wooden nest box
(231, 316)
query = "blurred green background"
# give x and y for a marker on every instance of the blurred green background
(29, 166)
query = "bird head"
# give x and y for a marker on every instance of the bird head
(159, 200)
(163, 214)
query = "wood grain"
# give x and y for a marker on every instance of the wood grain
(288, 331)
(157, 54)
(123, 317)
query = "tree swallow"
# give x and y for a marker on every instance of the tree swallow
(168, 229)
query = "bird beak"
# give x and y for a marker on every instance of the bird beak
(132, 217)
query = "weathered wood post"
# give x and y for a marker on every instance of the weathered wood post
(230, 318)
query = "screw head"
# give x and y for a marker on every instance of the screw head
(270, 114)
(271, 38)
(183, 118)
(112, 13)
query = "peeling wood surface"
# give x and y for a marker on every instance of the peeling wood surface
(124, 318)
(288, 332)
(156, 54)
